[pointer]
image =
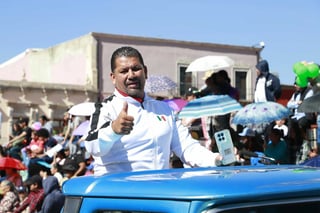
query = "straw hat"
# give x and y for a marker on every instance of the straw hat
(207, 75)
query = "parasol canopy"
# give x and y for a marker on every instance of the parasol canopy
(260, 113)
(210, 63)
(159, 83)
(210, 105)
(9, 162)
(82, 109)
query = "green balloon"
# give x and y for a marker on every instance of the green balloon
(313, 70)
(296, 67)
(301, 82)
(300, 69)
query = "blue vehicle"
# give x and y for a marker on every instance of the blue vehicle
(229, 189)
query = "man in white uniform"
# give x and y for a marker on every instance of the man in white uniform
(131, 131)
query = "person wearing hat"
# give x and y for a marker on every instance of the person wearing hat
(247, 132)
(302, 92)
(35, 197)
(192, 93)
(74, 164)
(249, 142)
(276, 147)
(23, 195)
(298, 122)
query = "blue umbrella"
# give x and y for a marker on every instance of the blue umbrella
(44, 163)
(210, 105)
(259, 113)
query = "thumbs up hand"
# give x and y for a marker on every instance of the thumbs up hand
(124, 122)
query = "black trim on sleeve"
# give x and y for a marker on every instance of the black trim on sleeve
(93, 134)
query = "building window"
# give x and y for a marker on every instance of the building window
(241, 84)
(186, 79)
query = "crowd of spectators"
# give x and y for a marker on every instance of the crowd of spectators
(49, 158)
(284, 141)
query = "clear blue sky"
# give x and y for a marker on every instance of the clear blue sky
(289, 28)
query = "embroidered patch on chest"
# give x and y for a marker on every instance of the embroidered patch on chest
(161, 118)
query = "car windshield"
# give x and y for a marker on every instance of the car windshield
(295, 205)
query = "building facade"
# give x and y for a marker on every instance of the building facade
(49, 81)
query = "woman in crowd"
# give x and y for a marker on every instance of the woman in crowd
(10, 197)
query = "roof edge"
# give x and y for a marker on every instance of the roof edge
(173, 41)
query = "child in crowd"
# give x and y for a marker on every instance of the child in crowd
(276, 147)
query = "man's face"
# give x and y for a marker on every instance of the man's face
(129, 76)
(258, 72)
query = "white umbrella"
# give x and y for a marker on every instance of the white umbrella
(82, 109)
(210, 63)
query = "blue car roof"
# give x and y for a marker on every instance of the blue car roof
(201, 183)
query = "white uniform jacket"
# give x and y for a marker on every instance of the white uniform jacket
(155, 135)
